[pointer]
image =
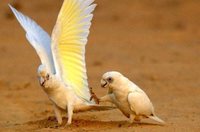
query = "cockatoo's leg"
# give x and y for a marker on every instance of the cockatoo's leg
(134, 118)
(58, 114)
(93, 96)
(137, 118)
(84, 107)
(70, 109)
(106, 98)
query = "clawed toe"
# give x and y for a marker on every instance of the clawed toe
(93, 96)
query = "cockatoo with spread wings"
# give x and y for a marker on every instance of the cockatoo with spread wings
(62, 73)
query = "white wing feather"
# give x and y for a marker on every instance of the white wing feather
(38, 38)
(140, 103)
(69, 38)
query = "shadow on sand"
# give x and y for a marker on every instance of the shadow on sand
(51, 122)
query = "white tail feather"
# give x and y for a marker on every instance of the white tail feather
(155, 118)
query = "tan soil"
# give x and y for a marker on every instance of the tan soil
(154, 43)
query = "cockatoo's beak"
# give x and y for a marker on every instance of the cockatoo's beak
(103, 83)
(43, 79)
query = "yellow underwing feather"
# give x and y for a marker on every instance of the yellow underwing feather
(69, 38)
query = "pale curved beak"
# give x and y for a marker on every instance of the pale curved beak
(42, 81)
(103, 83)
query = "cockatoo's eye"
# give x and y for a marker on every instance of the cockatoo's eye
(47, 77)
(110, 79)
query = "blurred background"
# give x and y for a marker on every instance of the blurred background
(155, 43)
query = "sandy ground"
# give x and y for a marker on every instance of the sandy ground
(155, 43)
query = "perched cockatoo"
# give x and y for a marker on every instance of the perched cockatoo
(62, 73)
(128, 97)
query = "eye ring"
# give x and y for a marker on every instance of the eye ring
(110, 79)
(47, 77)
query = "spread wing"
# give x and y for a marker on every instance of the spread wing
(69, 38)
(38, 38)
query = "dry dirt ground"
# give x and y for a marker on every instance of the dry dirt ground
(156, 43)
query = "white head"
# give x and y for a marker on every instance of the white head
(111, 79)
(42, 71)
(43, 74)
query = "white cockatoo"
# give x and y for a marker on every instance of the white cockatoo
(128, 97)
(62, 73)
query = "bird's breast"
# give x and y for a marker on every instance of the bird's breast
(59, 97)
(121, 101)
